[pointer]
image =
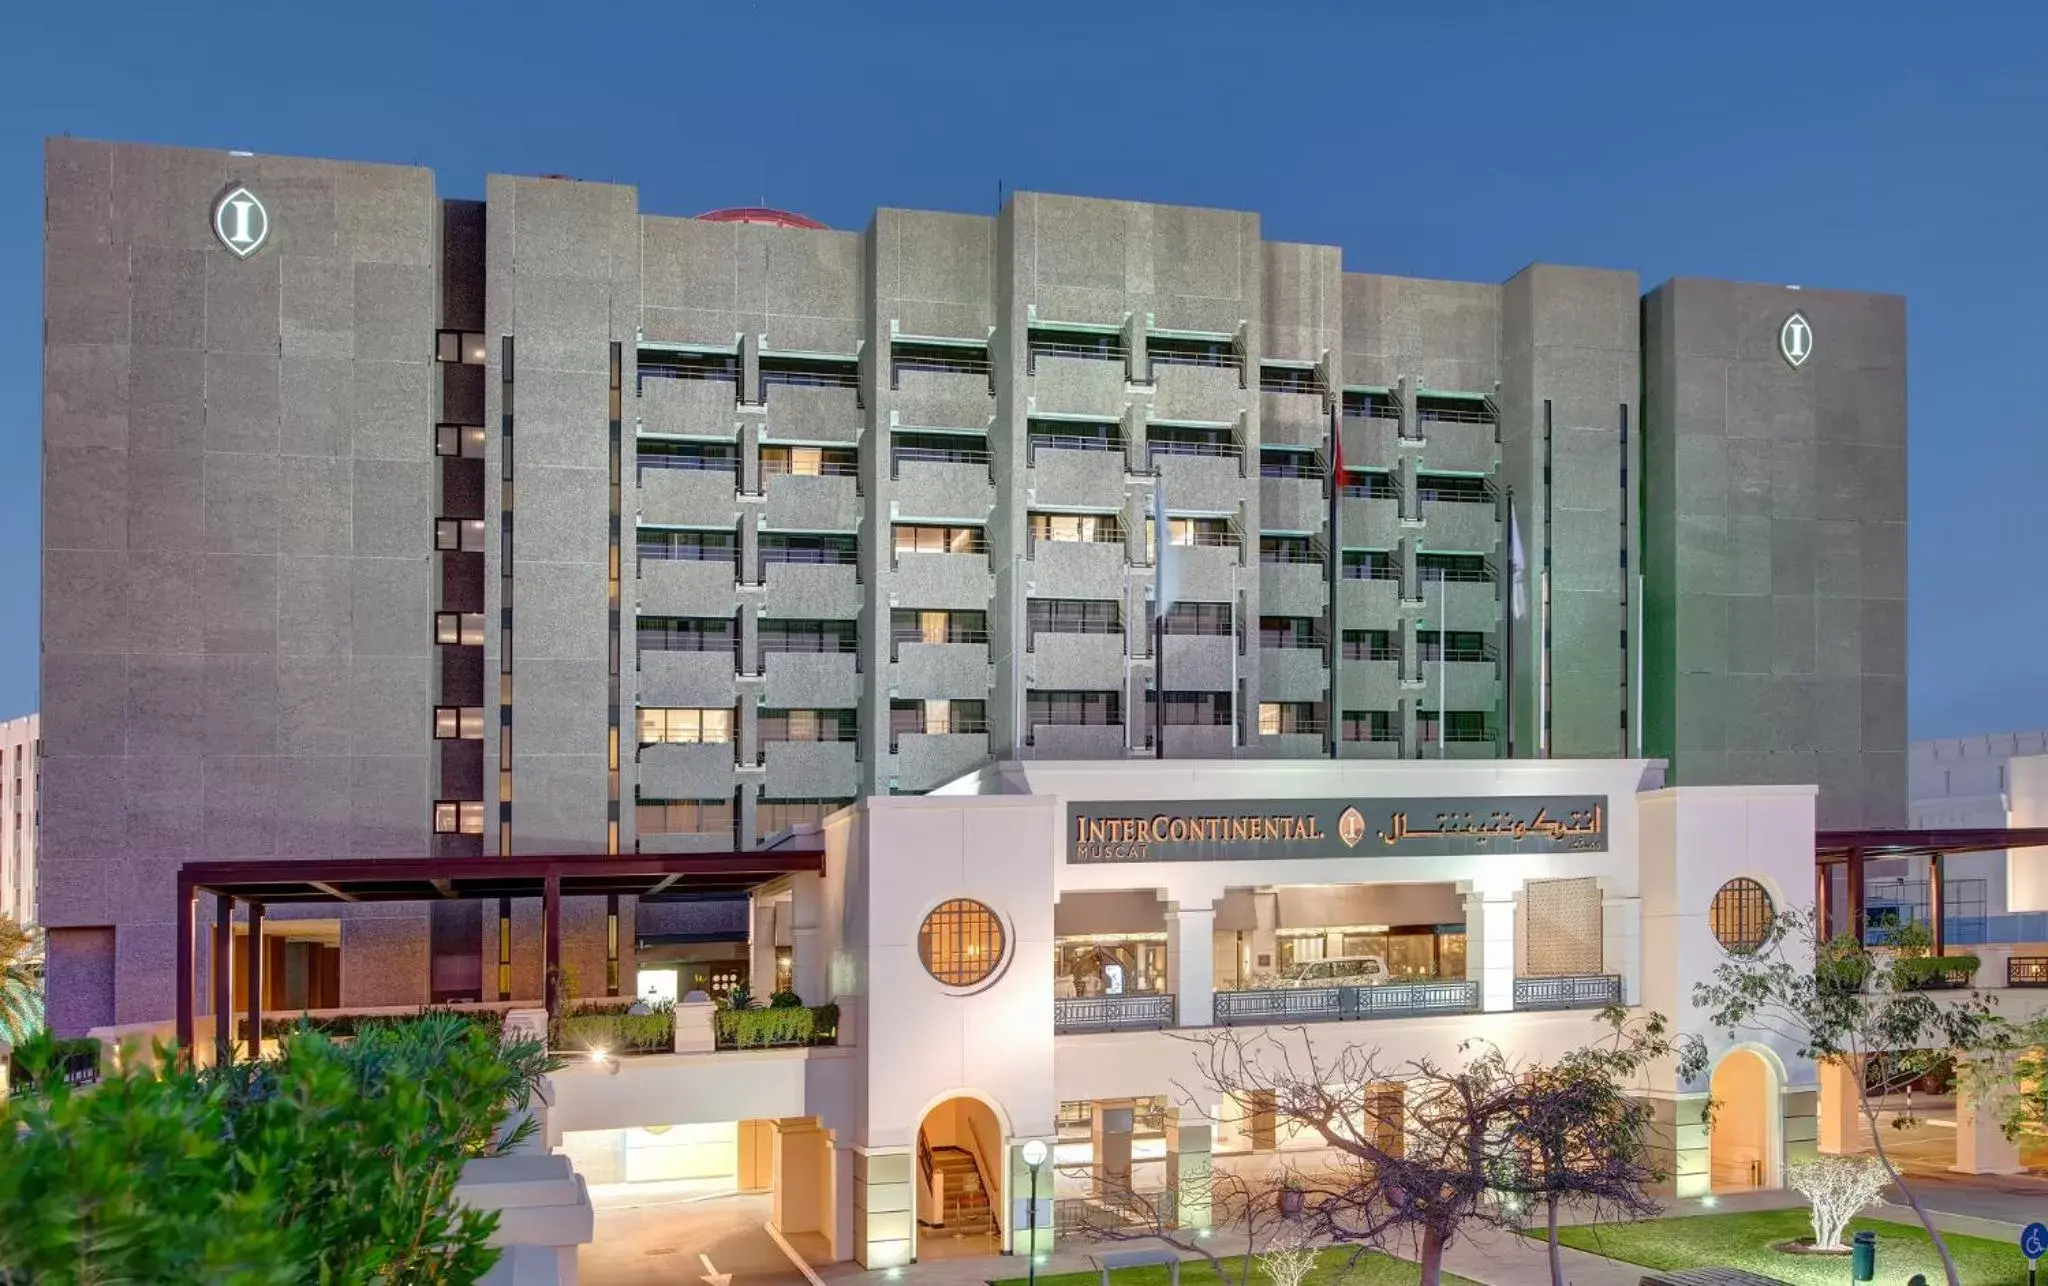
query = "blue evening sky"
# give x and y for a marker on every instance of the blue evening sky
(1866, 146)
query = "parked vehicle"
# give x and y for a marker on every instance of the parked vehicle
(1342, 971)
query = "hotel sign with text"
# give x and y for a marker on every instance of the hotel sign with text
(1187, 830)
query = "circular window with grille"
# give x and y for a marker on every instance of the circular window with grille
(961, 942)
(1741, 916)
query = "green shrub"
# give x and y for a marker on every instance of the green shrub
(347, 1025)
(615, 1031)
(75, 1060)
(332, 1163)
(766, 1028)
(785, 1000)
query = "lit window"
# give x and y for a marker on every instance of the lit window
(465, 347)
(465, 628)
(458, 722)
(463, 440)
(961, 942)
(1741, 916)
(1269, 718)
(685, 727)
(459, 817)
(465, 535)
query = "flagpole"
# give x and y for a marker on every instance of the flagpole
(1443, 651)
(1334, 556)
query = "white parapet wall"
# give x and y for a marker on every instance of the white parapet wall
(544, 1216)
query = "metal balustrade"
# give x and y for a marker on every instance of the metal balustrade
(2026, 971)
(1328, 1004)
(1111, 1013)
(1587, 991)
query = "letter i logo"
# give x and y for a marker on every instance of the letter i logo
(240, 221)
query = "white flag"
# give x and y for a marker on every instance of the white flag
(1165, 556)
(1518, 568)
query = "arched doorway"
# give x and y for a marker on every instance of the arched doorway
(958, 1180)
(1745, 1141)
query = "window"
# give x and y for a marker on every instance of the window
(657, 365)
(806, 725)
(1073, 616)
(1457, 645)
(1366, 404)
(939, 540)
(1277, 463)
(1453, 488)
(458, 817)
(1278, 718)
(810, 462)
(1454, 410)
(1101, 529)
(685, 634)
(1176, 439)
(804, 547)
(1290, 379)
(1370, 484)
(1188, 532)
(459, 628)
(1459, 726)
(960, 942)
(1287, 549)
(1288, 632)
(1211, 619)
(1370, 564)
(453, 723)
(685, 726)
(935, 717)
(1195, 709)
(908, 625)
(1073, 709)
(1371, 645)
(1741, 915)
(459, 535)
(809, 636)
(720, 457)
(1472, 568)
(683, 816)
(464, 347)
(1370, 725)
(1071, 435)
(939, 359)
(1086, 345)
(1172, 350)
(463, 440)
(772, 815)
(810, 372)
(939, 448)
(688, 546)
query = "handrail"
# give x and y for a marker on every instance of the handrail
(1323, 1004)
(1180, 446)
(1579, 991)
(939, 455)
(772, 467)
(1070, 442)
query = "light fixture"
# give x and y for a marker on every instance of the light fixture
(1034, 1152)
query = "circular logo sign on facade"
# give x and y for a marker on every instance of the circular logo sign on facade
(1795, 339)
(1350, 827)
(240, 221)
(961, 942)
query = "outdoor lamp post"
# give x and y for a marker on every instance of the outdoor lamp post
(1034, 1156)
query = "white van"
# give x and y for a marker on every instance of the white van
(1339, 971)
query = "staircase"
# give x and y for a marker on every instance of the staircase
(967, 1209)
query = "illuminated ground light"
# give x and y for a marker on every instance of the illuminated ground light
(1710, 1202)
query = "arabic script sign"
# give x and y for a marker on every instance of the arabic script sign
(1185, 830)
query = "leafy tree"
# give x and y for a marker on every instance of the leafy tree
(332, 1163)
(1868, 1007)
(1837, 1189)
(21, 981)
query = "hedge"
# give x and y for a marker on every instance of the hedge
(767, 1028)
(615, 1031)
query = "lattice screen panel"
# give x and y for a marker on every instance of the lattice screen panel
(1563, 935)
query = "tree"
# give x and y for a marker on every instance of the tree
(21, 981)
(2010, 1079)
(1838, 1189)
(1289, 1256)
(1248, 1205)
(1840, 999)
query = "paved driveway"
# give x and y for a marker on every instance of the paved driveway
(653, 1233)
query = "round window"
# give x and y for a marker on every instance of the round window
(961, 942)
(1741, 916)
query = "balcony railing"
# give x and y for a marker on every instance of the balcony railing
(1111, 1013)
(1588, 991)
(2026, 971)
(1329, 1004)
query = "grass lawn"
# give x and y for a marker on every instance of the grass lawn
(1372, 1269)
(1745, 1240)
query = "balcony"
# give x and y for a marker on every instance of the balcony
(1076, 663)
(1368, 604)
(1464, 685)
(1293, 674)
(810, 681)
(1292, 419)
(812, 591)
(1214, 393)
(1368, 684)
(685, 842)
(1465, 604)
(1335, 1004)
(1291, 745)
(1111, 1013)
(943, 399)
(928, 759)
(1460, 448)
(700, 679)
(1369, 443)
(1474, 528)
(1589, 991)
(804, 502)
(1076, 477)
(813, 413)
(1077, 569)
(697, 407)
(811, 769)
(942, 489)
(1487, 747)
(1063, 385)
(686, 587)
(1292, 504)
(1293, 589)
(1209, 573)
(952, 581)
(1199, 740)
(1076, 741)
(1369, 749)
(686, 772)
(687, 497)
(941, 669)
(1210, 482)
(1369, 523)
(1196, 662)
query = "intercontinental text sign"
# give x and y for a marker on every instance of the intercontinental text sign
(1185, 830)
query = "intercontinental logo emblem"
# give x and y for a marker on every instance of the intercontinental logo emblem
(1795, 340)
(240, 221)
(1351, 827)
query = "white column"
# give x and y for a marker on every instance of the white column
(1490, 948)
(1838, 1108)
(1621, 927)
(809, 970)
(1191, 962)
(1981, 1147)
(761, 950)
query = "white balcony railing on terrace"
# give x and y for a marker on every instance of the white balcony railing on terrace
(1329, 1004)
(1112, 1013)
(1586, 991)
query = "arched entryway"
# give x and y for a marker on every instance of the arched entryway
(1745, 1142)
(958, 1180)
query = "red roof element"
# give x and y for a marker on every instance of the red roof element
(757, 214)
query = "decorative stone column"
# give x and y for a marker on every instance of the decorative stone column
(1109, 1137)
(1190, 1136)
(1981, 1146)
(761, 950)
(883, 1196)
(1490, 948)
(809, 969)
(1191, 962)
(1839, 1116)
